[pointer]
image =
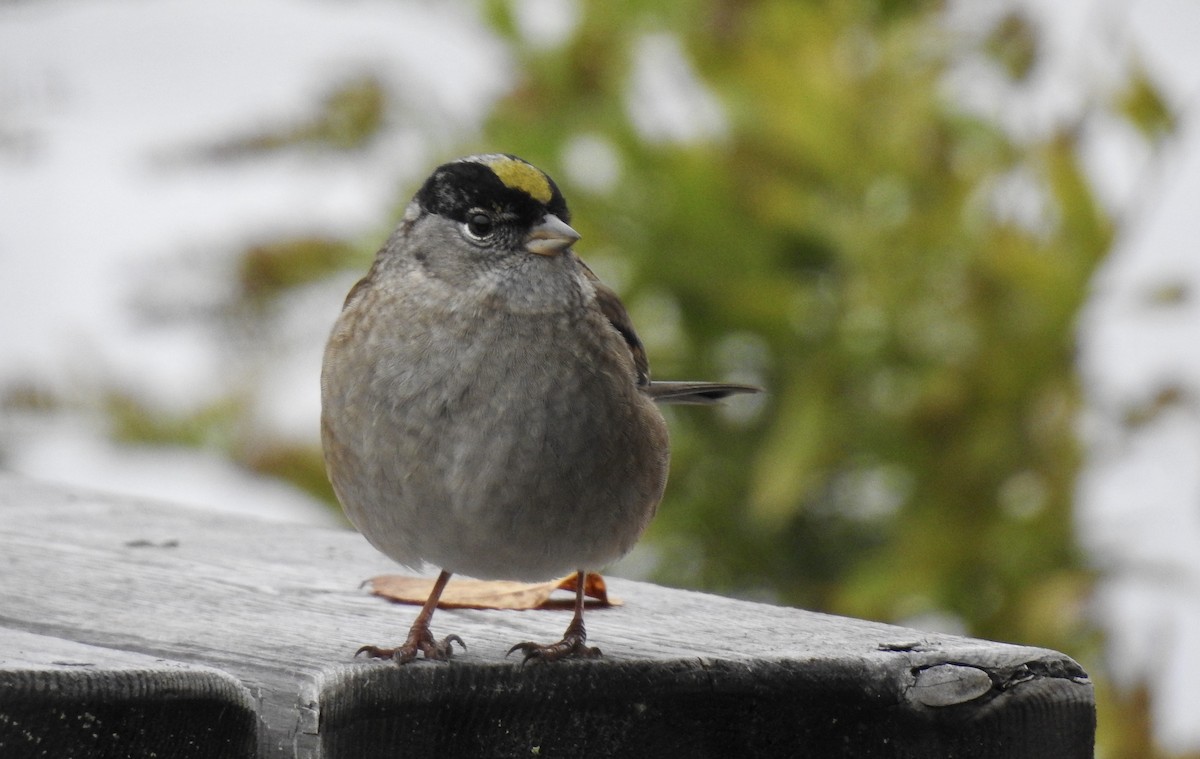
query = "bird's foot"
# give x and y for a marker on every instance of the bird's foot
(572, 646)
(419, 639)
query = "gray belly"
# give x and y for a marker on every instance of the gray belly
(525, 466)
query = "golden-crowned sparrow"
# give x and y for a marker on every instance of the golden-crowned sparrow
(487, 407)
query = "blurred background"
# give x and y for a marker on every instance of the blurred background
(956, 240)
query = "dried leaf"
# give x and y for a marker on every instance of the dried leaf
(492, 594)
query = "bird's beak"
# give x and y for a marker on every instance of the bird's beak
(551, 237)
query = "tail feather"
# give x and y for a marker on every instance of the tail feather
(695, 393)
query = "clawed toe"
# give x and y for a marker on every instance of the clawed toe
(419, 637)
(574, 641)
(570, 647)
(420, 640)
(434, 650)
(375, 652)
(443, 650)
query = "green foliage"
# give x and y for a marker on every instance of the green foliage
(915, 454)
(347, 118)
(1144, 106)
(302, 465)
(269, 269)
(211, 426)
(1013, 44)
(221, 426)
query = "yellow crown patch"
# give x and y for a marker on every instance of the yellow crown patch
(521, 176)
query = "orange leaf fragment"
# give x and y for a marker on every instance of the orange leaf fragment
(493, 594)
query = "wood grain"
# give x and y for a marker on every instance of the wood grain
(263, 618)
(59, 698)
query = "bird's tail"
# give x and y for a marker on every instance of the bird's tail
(696, 393)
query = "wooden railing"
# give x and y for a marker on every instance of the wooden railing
(138, 629)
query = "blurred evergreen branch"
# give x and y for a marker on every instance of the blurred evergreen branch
(347, 118)
(913, 277)
(916, 453)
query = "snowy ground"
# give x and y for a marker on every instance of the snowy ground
(103, 104)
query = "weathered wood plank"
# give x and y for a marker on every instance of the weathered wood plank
(280, 608)
(59, 698)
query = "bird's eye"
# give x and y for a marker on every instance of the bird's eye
(480, 225)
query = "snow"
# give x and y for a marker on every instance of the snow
(1138, 500)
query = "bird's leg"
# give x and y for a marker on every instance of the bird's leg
(419, 636)
(574, 640)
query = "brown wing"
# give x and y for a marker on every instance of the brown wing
(699, 393)
(614, 311)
